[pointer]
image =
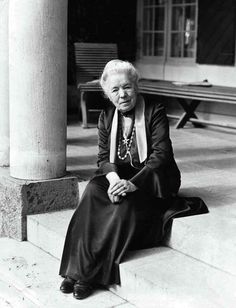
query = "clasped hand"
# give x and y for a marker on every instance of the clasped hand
(119, 189)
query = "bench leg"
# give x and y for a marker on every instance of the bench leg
(84, 110)
(189, 109)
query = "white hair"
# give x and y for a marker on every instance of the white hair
(119, 66)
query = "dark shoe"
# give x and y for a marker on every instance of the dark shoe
(67, 285)
(82, 289)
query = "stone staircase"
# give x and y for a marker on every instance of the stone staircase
(197, 269)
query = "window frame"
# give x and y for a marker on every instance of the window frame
(147, 59)
(166, 58)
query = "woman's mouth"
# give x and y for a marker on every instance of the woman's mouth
(125, 102)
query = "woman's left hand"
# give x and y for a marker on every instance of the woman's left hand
(122, 187)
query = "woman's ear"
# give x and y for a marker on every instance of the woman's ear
(107, 94)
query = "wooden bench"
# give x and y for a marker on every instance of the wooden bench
(90, 59)
(188, 97)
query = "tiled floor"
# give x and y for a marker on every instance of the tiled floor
(206, 158)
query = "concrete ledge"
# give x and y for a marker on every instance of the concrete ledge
(29, 279)
(50, 226)
(165, 278)
(209, 238)
(19, 198)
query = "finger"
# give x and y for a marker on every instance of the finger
(116, 199)
(115, 187)
(112, 187)
(112, 198)
(118, 192)
(122, 191)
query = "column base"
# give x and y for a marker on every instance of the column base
(18, 198)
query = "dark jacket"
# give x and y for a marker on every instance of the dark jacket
(160, 175)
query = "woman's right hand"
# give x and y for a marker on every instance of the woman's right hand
(113, 178)
(113, 197)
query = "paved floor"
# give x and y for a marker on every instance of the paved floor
(81, 150)
(207, 160)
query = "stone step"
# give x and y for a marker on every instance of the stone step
(51, 226)
(209, 238)
(10, 296)
(29, 279)
(161, 275)
(165, 278)
(198, 272)
(47, 231)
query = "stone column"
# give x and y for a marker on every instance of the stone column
(4, 85)
(37, 98)
(38, 88)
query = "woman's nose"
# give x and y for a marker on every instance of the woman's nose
(122, 92)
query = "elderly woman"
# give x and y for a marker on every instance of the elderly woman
(123, 205)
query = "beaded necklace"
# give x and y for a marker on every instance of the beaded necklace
(126, 141)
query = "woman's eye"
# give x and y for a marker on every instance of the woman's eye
(114, 90)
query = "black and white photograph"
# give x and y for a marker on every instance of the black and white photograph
(117, 153)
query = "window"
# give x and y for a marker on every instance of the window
(201, 31)
(169, 28)
(154, 18)
(183, 28)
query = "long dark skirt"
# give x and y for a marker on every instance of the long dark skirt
(100, 233)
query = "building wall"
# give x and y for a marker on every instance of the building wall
(216, 74)
(222, 75)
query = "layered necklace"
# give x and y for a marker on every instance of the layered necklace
(123, 138)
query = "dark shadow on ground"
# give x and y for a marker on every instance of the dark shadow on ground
(83, 174)
(83, 140)
(224, 164)
(82, 160)
(194, 151)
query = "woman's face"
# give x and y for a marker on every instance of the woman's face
(121, 91)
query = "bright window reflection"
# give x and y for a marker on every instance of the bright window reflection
(183, 28)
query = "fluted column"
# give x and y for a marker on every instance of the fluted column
(38, 87)
(4, 85)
